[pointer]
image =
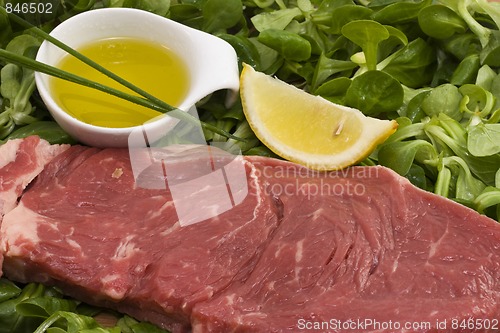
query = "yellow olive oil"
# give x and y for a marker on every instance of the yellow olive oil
(152, 67)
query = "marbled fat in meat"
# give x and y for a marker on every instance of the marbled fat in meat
(21, 160)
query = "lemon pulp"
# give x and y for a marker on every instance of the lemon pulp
(311, 128)
(308, 129)
(152, 67)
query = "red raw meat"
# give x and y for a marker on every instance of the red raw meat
(20, 162)
(361, 246)
(84, 225)
(363, 250)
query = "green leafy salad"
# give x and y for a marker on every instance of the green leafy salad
(433, 66)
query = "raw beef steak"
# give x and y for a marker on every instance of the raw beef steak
(85, 226)
(364, 251)
(343, 251)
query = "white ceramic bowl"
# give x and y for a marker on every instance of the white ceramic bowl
(212, 64)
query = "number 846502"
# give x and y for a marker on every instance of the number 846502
(475, 324)
(29, 8)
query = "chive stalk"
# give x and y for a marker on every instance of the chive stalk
(27, 62)
(39, 32)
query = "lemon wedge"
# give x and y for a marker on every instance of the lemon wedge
(308, 129)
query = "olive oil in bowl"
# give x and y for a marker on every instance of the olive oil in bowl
(206, 63)
(152, 67)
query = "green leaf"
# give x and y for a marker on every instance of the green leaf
(396, 39)
(497, 179)
(288, 44)
(413, 65)
(476, 100)
(5, 29)
(468, 187)
(47, 130)
(326, 67)
(367, 34)
(74, 323)
(320, 42)
(247, 51)
(466, 71)
(221, 14)
(490, 197)
(10, 319)
(463, 9)
(263, 3)
(400, 155)
(160, 7)
(491, 9)
(261, 150)
(342, 15)
(8, 290)
(377, 4)
(323, 14)
(406, 130)
(78, 6)
(23, 45)
(484, 139)
(453, 128)
(413, 109)
(279, 19)
(400, 12)
(484, 167)
(416, 175)
(441, 22)
(10, 81)
(146, 328)
(443, 99)
(44, 306)
(485, 77)
(375, 92)
(490, 55)
(182, 12)
(443, 181)
(334, 89)
(270, 59)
